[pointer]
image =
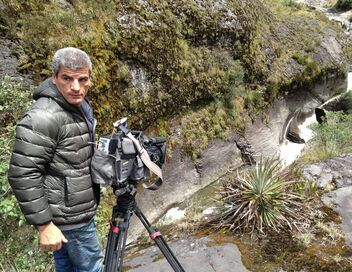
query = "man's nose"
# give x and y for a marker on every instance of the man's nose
(75, 85)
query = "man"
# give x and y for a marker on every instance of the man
(50, 164)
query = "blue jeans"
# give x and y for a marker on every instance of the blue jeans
(81, 253)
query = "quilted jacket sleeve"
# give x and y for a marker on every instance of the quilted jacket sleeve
(33, 150)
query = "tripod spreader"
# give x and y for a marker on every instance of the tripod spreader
(125, 206)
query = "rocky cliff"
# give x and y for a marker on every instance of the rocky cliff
(200, 72)
(154, 59)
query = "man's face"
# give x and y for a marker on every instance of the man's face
(72, 84)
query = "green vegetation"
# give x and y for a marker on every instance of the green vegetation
(331, 138)
(261, 198)
(344, 4)
(184, 49)
(163, 40)
(218, 61)
(216, 119)
(20, 249)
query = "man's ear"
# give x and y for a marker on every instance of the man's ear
(54, 78)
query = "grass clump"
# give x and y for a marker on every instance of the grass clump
(260, 198)
(331, 138)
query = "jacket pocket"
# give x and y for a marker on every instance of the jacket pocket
(54, 189)
(78, 190)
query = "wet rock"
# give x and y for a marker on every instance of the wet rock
(265, 136)
(341, 102)
(340, 200)
(193, 254)
(336, 171)
(247, 151)
(219, 157)
(294, 137)
(293, 131)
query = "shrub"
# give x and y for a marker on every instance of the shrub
(260, 198)
(13, 101)
(20, 250)
(343, 4)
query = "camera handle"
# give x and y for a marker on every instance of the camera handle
(115, 247)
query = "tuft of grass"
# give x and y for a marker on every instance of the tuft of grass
(331, 138)
(333, 233)
(260, 198)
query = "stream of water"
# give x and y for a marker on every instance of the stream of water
(290, 151)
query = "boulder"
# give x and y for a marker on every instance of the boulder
(335, 173)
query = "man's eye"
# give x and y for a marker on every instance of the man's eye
(83, 80)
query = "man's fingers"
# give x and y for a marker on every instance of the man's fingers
(51, 247)
(63, 238)
(50, 237)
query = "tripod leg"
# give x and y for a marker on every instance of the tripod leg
(160, 242)
(116, 243)
(110, 261)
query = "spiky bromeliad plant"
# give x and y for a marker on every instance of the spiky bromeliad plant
(260, 198)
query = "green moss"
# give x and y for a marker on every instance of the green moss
(186, 49)
(199, 127)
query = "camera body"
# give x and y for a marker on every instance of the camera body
(130, 166)
(118, 161)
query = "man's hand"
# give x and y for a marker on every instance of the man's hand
(50, 237)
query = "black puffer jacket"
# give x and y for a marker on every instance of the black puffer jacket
(50, 164)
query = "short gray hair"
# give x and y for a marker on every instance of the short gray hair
(72, 58)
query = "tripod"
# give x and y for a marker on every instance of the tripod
(125, 206)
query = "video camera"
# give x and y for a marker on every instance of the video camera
(127, 156)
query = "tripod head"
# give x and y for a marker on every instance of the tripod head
(128, 188)
(125, 196)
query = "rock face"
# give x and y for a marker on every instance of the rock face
(238, 20)
(9, 62)
(336, 173)
(183, 177)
